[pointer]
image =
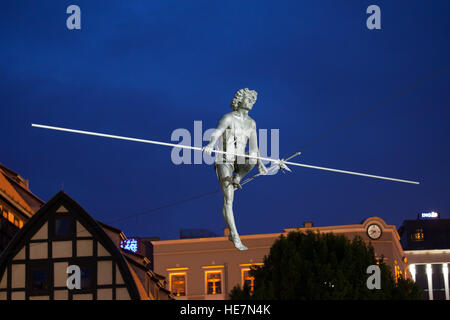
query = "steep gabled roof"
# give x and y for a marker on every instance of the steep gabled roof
(91, 225)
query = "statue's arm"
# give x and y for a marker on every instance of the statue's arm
(223, 124)
(253, 143)
(254, 151)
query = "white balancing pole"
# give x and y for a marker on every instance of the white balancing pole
(217, 151)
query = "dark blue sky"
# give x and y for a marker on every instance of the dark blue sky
(144, 68)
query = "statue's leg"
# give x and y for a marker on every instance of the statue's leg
(225, 174)
(242, 170)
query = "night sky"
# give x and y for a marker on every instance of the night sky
(145, 68)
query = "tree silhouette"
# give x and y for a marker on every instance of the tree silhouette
(304, 266)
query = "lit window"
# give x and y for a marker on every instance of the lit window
(10, 217)
(5, 214)
(214, 282)
(418, 235)
(20, 224)
(178, 284)
(247, 279)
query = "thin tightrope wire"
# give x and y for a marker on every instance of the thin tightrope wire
(309, 144)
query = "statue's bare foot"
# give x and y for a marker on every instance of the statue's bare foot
(237, 243)
(240, 246)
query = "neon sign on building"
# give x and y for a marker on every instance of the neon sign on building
(429, 215)
(129, 244)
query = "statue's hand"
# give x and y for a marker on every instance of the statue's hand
(262, 170)
(208, 149)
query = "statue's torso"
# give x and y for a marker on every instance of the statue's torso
(235, 137)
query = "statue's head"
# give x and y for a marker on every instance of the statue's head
(244, 98)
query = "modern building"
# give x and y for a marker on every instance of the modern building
(208, 268)
(62, 244)
(426, 242)
(17, 204)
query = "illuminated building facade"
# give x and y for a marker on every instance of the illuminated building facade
(427, 247)
(60, 236)
(17, 204)
(208, 268)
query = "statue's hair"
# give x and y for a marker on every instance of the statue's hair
(240, 95)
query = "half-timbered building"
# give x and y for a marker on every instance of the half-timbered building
(36, 265)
